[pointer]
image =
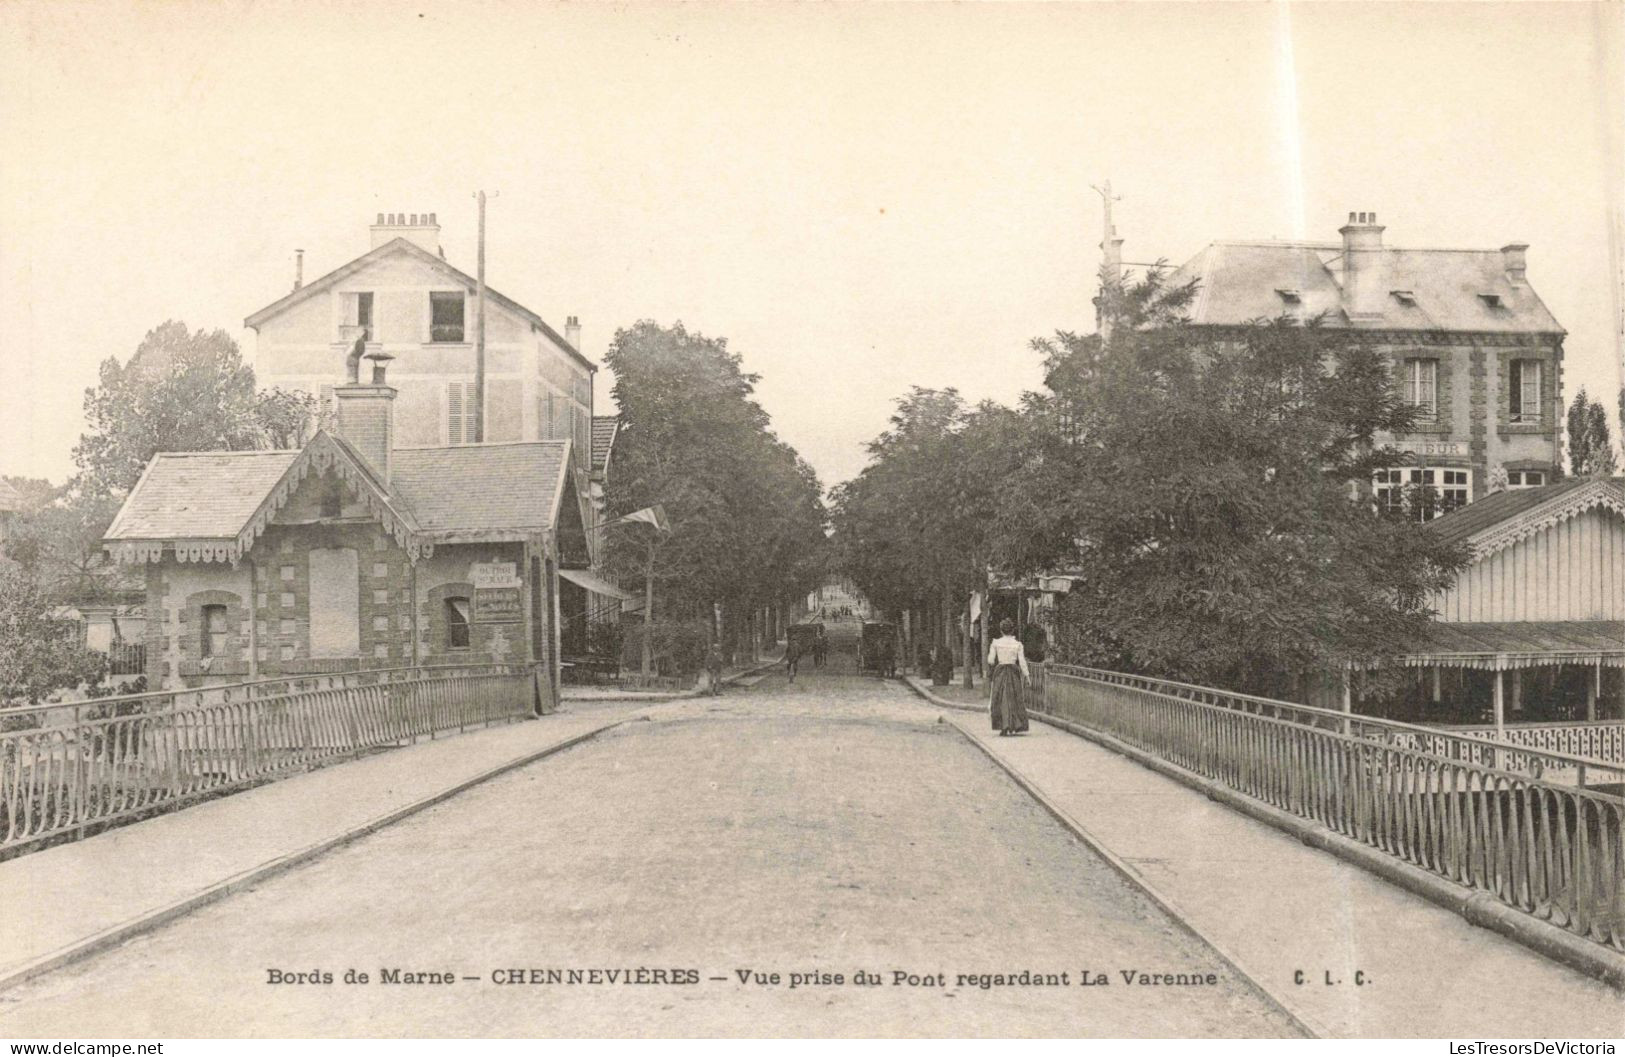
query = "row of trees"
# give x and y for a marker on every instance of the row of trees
(1202, 489)
(182, 390)
(747, 513)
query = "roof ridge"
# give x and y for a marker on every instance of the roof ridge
(480, 444)
(226, 451)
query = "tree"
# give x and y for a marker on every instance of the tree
(38, 654)
(915, 529)
(1213, 494)
(1591, 449)
(747, 513)
(182, 390)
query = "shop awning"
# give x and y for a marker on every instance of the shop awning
(1528, 644)
(598, 586)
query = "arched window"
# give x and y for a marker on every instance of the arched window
(457, 623)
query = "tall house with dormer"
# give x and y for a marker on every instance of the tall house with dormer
(1470, 341)
(404, 299)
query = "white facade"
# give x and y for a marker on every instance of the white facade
(408, 298)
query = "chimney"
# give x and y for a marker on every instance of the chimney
(366, 416)
(1364, 274)
(420, 229)
(572, 332)
(1514, 257)
(298, 268)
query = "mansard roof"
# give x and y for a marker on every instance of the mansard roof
(1243, 281)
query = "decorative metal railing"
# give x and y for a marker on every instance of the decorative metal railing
(1435, 800)
(65, 767)
(1597, 740)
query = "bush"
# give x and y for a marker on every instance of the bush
(678, 647)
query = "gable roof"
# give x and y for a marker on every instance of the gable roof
(1502, 518)
(478, 491)
(199, 494)
(412, 249)
(604, 429)
(1242, 281)
(212, 506)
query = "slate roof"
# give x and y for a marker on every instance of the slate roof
(199, 495)
(1239, 282)
(1465, 522)
(400, 245)
(475, 491)
(1522, 644)
(480, 488)
(604, 428)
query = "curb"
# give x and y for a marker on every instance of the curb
(919, 687)
(1168, 906)
(1475, 905)
(653, 697)
(159, 916)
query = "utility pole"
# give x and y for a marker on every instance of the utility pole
(1111, 262)
(479, 332)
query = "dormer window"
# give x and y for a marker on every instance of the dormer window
(1291, 297)
(1491, 300)
(1404, 297)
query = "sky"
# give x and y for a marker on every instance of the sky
(859, 197)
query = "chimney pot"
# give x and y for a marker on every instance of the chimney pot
(380, 220)
(298, 268)
(1514, 257)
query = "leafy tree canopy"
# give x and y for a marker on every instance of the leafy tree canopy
(747, 512)
(1211, 491)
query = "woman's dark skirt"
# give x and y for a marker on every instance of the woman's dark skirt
(1009, 710)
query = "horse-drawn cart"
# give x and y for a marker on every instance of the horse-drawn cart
(877, 648)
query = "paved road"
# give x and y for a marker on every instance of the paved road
(826, 827)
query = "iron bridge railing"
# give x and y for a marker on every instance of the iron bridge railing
(65, 767)
(1476, 813)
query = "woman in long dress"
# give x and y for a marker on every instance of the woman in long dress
(1007, 661)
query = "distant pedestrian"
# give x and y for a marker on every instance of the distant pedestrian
(1008, 681)
(792, 656)
(713, 669)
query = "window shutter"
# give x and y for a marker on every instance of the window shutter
(456, 414)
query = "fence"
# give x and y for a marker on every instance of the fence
(1599, 740)
(1475, 813)
(64, 767)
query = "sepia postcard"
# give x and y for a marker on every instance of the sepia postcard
(611, 521)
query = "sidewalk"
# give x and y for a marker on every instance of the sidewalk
(96, 892)
(1277, 908)
(615, 693)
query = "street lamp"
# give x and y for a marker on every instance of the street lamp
(656, 516)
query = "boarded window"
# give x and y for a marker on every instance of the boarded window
(457, 612)
(335, 603)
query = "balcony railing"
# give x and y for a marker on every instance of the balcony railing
(66, 767)
(1460, 807)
